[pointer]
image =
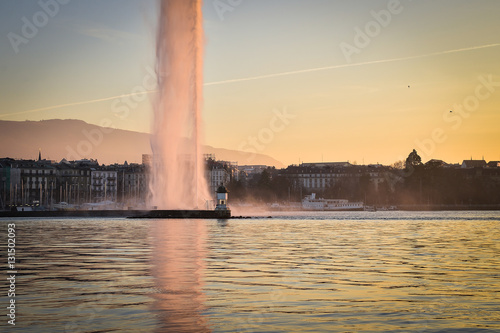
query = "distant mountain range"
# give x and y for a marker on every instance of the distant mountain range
(75, 139)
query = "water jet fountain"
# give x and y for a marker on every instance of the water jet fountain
(177, 180)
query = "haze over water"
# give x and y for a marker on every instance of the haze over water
(319, 272)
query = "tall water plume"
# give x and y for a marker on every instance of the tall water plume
(177, 175)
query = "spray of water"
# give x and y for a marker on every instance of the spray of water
(178, 177)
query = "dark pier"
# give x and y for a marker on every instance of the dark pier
(185, 214)
(144, 214)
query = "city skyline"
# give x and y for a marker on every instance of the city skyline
(89, 184)
(319, 80)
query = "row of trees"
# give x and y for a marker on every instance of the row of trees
(433, 183)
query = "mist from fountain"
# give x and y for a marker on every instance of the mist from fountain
(177, 179)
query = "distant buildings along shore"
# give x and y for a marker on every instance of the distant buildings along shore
(52, 184)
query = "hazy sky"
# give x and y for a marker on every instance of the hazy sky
(308, 80)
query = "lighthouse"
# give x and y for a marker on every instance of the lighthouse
(221, 198)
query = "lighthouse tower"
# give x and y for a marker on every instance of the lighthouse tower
(221, 198)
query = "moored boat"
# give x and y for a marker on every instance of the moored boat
(310, 202)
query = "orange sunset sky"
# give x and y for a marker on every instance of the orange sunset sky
(364, 81)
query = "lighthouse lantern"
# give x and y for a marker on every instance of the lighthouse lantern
(222, 194)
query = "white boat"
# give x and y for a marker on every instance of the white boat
(310, 202)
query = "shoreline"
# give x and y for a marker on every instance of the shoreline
(139, 214)
(205, 214)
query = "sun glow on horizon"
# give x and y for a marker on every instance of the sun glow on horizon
(394, 95)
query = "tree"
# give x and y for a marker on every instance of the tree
(237, 190)
(413, 160)
(413, 175)
(264, 181)
(400, 165)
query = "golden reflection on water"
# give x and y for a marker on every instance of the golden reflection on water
(82, 275)
(179, 253)
(340, 276)
(356, 272)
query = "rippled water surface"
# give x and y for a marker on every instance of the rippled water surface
(323, 272)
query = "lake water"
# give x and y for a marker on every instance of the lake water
(321, 272)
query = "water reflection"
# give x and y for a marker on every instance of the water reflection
(353, 276)
(344, 273)
(179, 252)
(82, 275)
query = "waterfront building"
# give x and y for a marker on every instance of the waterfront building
(494, 164)
(318, 177)
(73, 184)
(466, 164)
(103, 184)
(27, 182)
(132, 184)
(219, 173)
